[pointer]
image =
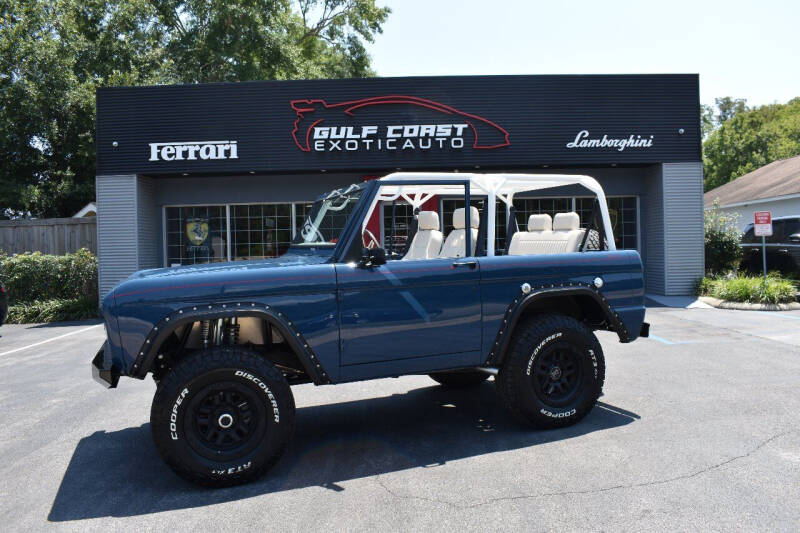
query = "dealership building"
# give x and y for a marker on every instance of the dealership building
(215, 172)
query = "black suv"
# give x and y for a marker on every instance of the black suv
(783, 248)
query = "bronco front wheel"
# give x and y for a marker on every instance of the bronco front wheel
(553, 372)
(222, 416)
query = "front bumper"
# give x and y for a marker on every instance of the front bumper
(103, 371)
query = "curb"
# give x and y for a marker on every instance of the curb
(743, 306)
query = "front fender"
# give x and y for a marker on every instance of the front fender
(288, 330)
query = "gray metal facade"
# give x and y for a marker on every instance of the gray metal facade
(131, 233)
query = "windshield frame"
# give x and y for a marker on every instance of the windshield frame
(338, 250)
(299, 241)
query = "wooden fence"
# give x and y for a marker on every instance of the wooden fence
(48, 235)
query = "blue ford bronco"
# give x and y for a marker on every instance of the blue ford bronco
(225, 341)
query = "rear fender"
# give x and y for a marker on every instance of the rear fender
(516, 310)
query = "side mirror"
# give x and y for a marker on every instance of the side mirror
(794, 237)
(371, 257)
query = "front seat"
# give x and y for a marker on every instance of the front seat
(428, 240)
(456, 245)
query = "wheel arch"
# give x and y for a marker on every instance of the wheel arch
(160, 332)
(580, 301)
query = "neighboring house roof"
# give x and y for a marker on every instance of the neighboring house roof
(779, 178)
(89, 210)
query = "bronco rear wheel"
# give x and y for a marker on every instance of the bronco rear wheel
(222, 416)
(553, 372)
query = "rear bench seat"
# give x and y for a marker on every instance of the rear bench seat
(548, 236)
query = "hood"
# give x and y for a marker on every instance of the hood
(237, 279)
(293, 258)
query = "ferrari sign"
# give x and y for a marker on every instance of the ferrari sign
(762, 221)
(197, 232)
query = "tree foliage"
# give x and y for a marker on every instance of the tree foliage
(750, 138)
(55, 53)
(724, 109)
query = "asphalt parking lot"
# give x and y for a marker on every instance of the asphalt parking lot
(698, 429)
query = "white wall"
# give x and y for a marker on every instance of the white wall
(779, 208)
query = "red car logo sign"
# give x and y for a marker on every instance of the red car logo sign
(391, 122)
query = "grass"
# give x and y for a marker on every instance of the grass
(56, 310)
(749, 289)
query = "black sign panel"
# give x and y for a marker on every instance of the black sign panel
(386, 123)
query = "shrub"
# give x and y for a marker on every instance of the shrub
(55, 310)
(722, 238)
(31, 277)
(749, 289)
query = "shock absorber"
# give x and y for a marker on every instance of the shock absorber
(205, 326)
(232, 332)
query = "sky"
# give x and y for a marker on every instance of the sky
(741, 49)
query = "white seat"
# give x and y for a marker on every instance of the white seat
(455, 245)
(428, 240)
(568, 227)
(530, 242)
(561, 235)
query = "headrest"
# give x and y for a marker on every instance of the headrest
(460, 213)
(566, 221)
(428, 220)
(540, 223)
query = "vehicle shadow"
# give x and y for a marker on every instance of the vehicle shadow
(120, 474)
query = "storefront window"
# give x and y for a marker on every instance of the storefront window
(260, 231)
(395, 240)
(196, 234)
(622, 212)
(525, 207)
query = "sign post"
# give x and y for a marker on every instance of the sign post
(762, 222)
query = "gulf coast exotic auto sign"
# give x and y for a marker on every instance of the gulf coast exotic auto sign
(376, 124)
(361, 125)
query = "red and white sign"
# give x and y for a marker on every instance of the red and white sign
(763, 223)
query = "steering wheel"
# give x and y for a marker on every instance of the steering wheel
(373, 240)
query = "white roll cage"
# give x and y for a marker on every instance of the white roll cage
(494, 186)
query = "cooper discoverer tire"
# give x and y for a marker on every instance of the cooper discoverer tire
(553, 372)
(222, 416)
(464, 378)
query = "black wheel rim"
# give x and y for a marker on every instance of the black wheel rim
(225, 421)
(557, 374)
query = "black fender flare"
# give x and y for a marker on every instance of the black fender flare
(147, 353)
(516, 310)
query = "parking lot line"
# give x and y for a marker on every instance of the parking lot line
(777, 314)
(49, 340)
(654, 337)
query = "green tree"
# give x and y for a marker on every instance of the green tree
(55, 53)
(727, 108)
(751, 139)
(724, 109)
(707, 120)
